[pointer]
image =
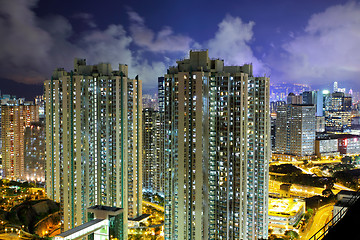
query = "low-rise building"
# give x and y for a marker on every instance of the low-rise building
(337, 144)
(326, 147)
(344, 200)
(285, 213)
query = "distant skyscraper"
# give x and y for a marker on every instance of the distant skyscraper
(15, 117)
(337, 111)
(274, 105)
(335, 89)
(295, 130)
(90, 113)
(217, 148)
(294, 99)
(311, 98)
(34, 152)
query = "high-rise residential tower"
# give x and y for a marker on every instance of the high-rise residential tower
(153, 165)
(34, 152)
(15, 117)
(217, 150)
(135, 149)
(90, 113)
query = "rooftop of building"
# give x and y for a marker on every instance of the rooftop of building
(285, 207)
(82, 69)
(140, 218)
(199, 61)
(80, 228)
(342, 204)
(328, 136)
(303, 105)
(347, 192)
(105, 208)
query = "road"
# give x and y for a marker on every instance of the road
(297, 190)
(158, 207)
(302, 162)
(322, 216)
(341, 187)
(337, 186)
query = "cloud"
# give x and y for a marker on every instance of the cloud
(163, 41)
(327, 50)
(33, 47)
(232, 43)
(86, 18)
(24, 45)
(112, 45)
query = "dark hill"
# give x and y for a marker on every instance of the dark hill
(31, 212)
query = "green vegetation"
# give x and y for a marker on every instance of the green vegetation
(306, 180)
(348, 178)
(294, 175)
(291, 234)
(154, 198)
(31, 212)
(285, 169)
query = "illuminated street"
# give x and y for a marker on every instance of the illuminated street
(321, 217)
(297, 190)
(152, 228)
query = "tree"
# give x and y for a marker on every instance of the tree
(292, 234)
(327, 193)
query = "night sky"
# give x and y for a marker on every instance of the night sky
(312, 42)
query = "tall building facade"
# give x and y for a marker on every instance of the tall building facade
(88, 120)
(34, 152)
(309, 97)
(295, 130)
(217, 148)
(15, 117)
(135, 148)
(4, 99)
(153, 165)
(294, 99)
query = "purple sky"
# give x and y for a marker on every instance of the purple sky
(313, 42)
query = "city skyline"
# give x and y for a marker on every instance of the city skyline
(180, 120)
(288, 41)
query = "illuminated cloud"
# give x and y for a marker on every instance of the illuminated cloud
(232, 43)
(162, 41)
(24, 45)
(328, 49)
(33, 47)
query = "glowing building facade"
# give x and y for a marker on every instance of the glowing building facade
(153, 164)
(88, 119)
(34, 152)
(337, 112)
(217, 148)
(15, 117)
